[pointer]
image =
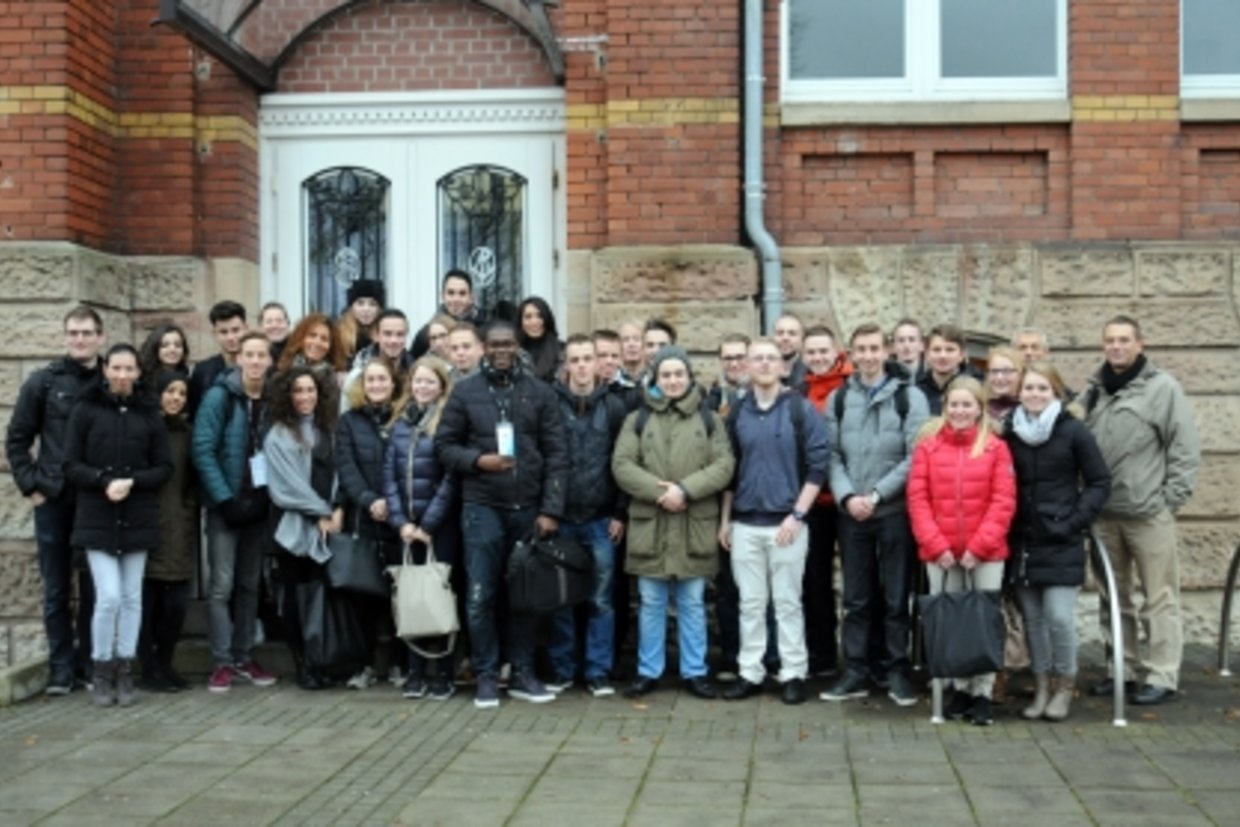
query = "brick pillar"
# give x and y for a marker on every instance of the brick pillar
(1125, 83)
(584, 28)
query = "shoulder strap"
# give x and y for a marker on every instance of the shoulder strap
(839, 403)
(797, 413)
(639, 421)
(1091, 399)
(902, 403)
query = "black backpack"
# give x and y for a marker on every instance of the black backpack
(796, 412)
(901, 396)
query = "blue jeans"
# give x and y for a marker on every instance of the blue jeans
(490, 534)
(53, 520)
(235, 556)
(118, 602)
(601, 628)
(690, 626)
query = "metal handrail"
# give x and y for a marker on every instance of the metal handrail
(1103, 563)
(1224, 626)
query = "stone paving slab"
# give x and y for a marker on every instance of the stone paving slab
(285, 757)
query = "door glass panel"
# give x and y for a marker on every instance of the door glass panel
(346, 233)
(482, 231)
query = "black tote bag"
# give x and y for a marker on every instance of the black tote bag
(331, 633)
(963, 632)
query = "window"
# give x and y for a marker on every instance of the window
(1209, 55)
(924, 50)
(346, 233)
(482, 231)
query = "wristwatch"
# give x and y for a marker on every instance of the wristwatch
(875, 497)
(798, 515)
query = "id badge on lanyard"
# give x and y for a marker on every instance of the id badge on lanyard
(505, 439)
(258, 470)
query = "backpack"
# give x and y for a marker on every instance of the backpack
(643, 416)
(797, 414)
(901, 396)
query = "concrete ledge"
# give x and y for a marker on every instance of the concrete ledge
(22, 681)
(925, 112)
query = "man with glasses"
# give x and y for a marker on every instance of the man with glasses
(42, 415)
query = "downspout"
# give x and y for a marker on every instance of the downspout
(755, 185)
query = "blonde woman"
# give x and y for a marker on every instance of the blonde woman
(961, 498)
(1003, 366)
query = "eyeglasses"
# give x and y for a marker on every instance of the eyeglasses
(1002, 371)
(766, 357)
(732, 358)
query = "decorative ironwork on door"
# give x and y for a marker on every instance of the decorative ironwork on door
(482, 231)
(346, 233)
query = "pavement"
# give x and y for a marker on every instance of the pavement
(283, 756)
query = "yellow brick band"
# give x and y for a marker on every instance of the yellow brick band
(652, 112)
(62, 100)
(1120, 108)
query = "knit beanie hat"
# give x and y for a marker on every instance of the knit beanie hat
(367, 289)
(669, 352)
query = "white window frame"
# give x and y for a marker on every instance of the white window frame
(1198, 87)
(921, 82)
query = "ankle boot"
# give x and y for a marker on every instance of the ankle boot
(1041, 696)
(102, 690)
(125, 696)
(1061, 700)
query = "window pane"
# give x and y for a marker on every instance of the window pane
(346, 234)
(998, 38)
(1211, 29)
(482, 231)
(835, 39)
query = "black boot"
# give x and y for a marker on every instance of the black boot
(125, 695)
(103, 687)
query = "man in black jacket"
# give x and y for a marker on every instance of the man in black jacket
(228, 324)
(42, 413)
(594, 513)
(503, 434)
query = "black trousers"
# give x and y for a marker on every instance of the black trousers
(818, 588)
(877, 557)
(163, 615)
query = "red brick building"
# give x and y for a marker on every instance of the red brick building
(1046, 163)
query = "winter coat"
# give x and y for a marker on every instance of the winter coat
(467, 431)
(418, 487)
(221, 439)
(204, 376)
(111, 438)
(176, 556)
(1053, 509)
(816, 387)
(1148, 438)
(673, 446)
(870, 447)
(591, 425)
(361, 447)
(42, 412)
(957, 502)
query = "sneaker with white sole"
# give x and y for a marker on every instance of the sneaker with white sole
(526, 687)
(441, 688)
(415, 687)
(600, 687)
(221, 679)
(851, 685)
(486, 692)
(255, 674)
(558, 683)
(363, 679)
(396, 675)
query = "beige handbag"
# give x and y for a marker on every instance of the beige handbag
(423, 603)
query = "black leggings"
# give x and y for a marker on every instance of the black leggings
(163, 614)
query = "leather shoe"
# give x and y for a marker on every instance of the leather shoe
(793, 692)
(1104, 688)
(740, 690)
(641, 686)
(1150, 695)
(701, 687)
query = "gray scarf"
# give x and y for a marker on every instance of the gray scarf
(1034, 430)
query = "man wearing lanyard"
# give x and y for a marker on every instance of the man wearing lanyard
(503, 435)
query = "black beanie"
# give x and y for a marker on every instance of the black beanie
(367, 289)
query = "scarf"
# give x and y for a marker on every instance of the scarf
(1115, 382)
(1035, 429)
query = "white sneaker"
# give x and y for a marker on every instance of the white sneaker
(362, 680)
(396, 676)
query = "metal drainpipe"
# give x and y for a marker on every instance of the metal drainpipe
(755, 185)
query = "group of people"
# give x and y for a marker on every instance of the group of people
(479, 434)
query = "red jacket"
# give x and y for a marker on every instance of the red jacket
(957, 502)
(817, 387)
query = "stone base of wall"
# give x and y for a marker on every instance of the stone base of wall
(39, 283)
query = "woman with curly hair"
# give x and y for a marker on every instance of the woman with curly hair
(312, 344)
(301, 477)
(165, 348)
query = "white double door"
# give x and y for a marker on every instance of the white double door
(406, 187)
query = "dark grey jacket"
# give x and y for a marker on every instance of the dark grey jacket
(42, 412)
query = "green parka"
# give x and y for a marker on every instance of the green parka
(674, 446)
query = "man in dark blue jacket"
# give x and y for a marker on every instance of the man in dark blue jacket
(593, 515)
(42, 415)
(503, 434)
(781, 463)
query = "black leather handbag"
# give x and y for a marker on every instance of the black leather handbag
(548, 574)
(355, 565)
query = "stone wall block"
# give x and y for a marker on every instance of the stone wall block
(1198, 371)
(33, 330)
(689, 273)
(1073, 271)
(16, 515)
(805, 273)
(103, 281)
(998, 288)
(1183, 272)
(1218, 422)
(930, 285)
(26, 275)
(6, 414)
(700, 325)
(166, 284)
(865, 286)
(21, 587)
(10, 381)
(1205, 551)
(27, 641)
(1182, 323)
(1214, 495)
(818, 311)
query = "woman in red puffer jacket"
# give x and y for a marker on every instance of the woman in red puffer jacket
(961, 499)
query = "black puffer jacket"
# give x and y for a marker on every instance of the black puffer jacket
(467, 431)
(1061, 486)
(112, 438)
(361, 445)
(591, 425)
(42, 411)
